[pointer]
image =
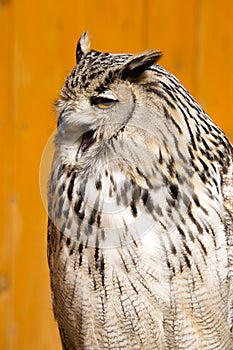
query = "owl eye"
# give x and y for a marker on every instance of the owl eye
(104, 100)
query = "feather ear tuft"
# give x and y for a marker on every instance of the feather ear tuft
(137, 64)
(83, 46)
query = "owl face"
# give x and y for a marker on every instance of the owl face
(100, 98)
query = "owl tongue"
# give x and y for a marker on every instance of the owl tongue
(88, 140)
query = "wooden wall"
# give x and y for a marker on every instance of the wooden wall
(37, 50)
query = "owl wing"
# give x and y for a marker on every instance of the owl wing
(227, 192)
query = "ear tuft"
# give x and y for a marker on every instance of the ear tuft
(83, 46)
(137, 64)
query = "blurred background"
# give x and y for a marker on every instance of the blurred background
(37, 50)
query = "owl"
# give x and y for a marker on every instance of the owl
(140, 204)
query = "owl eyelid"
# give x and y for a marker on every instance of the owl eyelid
(108, 94)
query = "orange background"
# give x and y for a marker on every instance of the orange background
(37, 50)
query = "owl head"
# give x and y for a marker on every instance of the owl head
(103, 94)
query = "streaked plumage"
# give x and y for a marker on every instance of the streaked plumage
(140, 233)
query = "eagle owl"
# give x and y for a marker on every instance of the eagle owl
(140, 232)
